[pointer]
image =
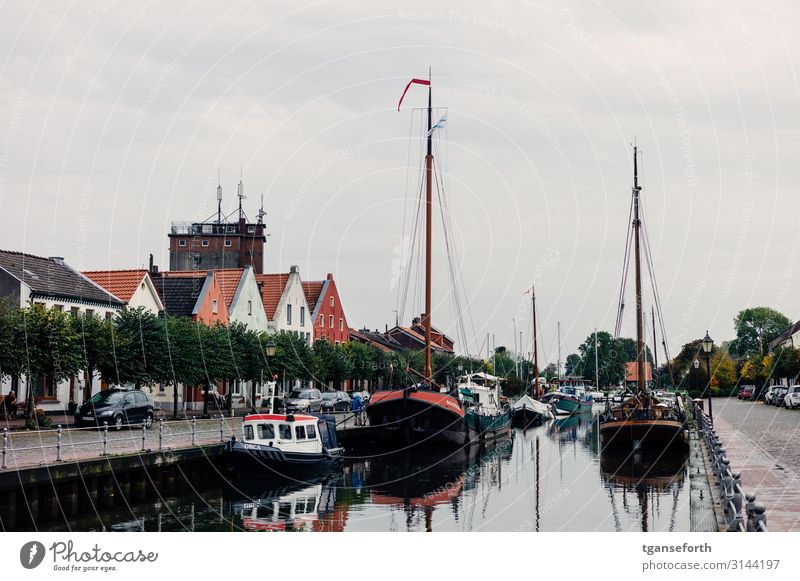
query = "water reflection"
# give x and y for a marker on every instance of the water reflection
(549, 478)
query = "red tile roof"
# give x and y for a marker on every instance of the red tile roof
(272, 286)
(183, 273)
(312, 290)
(228, 280)
(120, 283)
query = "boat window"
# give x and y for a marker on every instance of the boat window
(248, 432)
(300, 432)
(285, 431)
(311, 432)
(266, 431)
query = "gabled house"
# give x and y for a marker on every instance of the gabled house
(195, 294)
(285, 303)
(134, 287)
(413, 337)
(632, 374)
(243, 297)
(327, 314)
(26, 280)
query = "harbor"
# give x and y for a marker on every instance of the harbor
(547, 478)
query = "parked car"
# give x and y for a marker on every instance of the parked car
(746, 392)
(335, 401)
(303, 400)
(116, 407)
(777, 398)
(792, 398)
(772, 392)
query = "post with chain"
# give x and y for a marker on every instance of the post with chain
(58, 444)
(160, 434)
(5, 447)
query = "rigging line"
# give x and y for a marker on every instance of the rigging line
(625, 268)
(413, 257)
(405, 205)
(654, 284)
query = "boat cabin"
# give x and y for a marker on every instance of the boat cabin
(481, 390)
(574, 386)
(291, 433)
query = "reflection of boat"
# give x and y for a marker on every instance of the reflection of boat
(529, 412)
(285, 443)
(648, 475)
(571, 397)
(484, 414)
(640, 420)
(295, 506)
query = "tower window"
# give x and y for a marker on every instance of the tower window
(227, 243)
(181, 242)
(205, 242)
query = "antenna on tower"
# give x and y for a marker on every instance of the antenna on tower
(261, 211)
(240, 193)
(219, 198)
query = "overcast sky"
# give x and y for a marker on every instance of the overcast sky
(116, 116)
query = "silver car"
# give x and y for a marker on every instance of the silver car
(304, 400)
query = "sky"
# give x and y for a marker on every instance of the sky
(115, 119)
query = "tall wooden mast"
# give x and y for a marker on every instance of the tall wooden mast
(535, 345)
(640, 377)
(426, 317)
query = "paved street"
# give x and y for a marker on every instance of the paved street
(776, 430)
(34, 448)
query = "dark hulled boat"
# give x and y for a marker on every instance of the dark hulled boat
(641, 419)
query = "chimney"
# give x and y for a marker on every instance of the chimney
(416, 321)
(387, 328)
(294, 268)
(153, 268)
(330, 276)
(57, 259)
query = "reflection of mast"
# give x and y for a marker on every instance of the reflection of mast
(643, 508)
(537, 485)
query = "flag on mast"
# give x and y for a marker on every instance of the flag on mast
(412, 82)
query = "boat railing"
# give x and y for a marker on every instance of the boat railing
(742, 512)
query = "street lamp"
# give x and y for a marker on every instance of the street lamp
(708, 345)
(269, 351)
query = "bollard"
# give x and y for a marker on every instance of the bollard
(144, 435)
(194, 431)
(58, 444)
(105, 438)
(221, 428)
(759, 520)
(160, 433)
(5, 447)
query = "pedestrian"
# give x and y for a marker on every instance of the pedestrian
(10, 405)
(358, 405)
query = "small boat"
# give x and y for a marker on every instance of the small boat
(284, 443)
(529, 412)
(571, 397)
(485, 416)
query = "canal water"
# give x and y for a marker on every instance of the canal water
(549, 478)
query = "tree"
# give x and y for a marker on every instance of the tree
(723, 370)
(330, 363)
(293, 358)
(572, 365)
(96, 341)
(550, 372)
(754, 370)
(140, 351)
(183, 353)
(12, 343)
(611, 357)
(784, 362)
(217, 361)
(755, 328)
(53, 350)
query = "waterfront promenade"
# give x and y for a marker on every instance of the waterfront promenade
(759, 442)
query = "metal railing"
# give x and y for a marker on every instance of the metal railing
(740, 516)
(146, 436)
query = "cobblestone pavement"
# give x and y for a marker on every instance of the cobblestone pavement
(25, 449)
(776, 430)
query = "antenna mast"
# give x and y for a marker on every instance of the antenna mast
(219, 199)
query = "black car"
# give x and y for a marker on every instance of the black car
(116, 407)
(336, 401)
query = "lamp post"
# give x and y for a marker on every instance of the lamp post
(708, 344)
(269, 351)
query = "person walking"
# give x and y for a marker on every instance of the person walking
(358, 406)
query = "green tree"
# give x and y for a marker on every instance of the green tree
(573, 364)
(611, 357)
(218, 364)
(13, 357)
(140, 352)
(550, 372)
(755, 328)
(96, 344)
(183, 354)
(784, 362)
(723, 370)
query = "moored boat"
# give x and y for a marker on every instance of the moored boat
(529, 412)
(285, 443)
(571, 397)
(485, 416)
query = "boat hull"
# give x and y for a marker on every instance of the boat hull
(250, 457)
(488, 427)
(407, 417)
(635, 433)
(568, 405)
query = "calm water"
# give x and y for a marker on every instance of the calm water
(550, 478)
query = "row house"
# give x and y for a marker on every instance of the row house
(285, 303)
(27, 280)
(413, 337)
(327, 314)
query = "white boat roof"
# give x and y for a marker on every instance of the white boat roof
(527, 402)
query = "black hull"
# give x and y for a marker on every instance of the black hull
(631, 434)
(404, 421)
(254, 457)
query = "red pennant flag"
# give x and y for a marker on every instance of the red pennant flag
(412, 81)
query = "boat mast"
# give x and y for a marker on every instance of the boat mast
(655, 346)
(426, 317)
(535, 347)
(596, 368)
(558, 372)
(640, 378)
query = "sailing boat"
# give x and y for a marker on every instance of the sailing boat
(641, 419)
(421, 413)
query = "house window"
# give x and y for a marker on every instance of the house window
(331, 301)
(228, 243)
(341, 324)
(322, 321)
(205, 242)
(214, 307)
(302, 316)
(249, 307)
(288, 314)
(109, 315)
(236, 388)
(251, 229)
(330, 321)
(59, 308)
(75, 311)
(181, 242)
(90, 311)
